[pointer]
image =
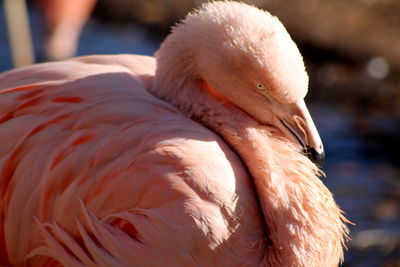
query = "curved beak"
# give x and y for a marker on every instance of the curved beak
(296, 124)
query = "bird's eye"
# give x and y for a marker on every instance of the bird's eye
(261, 87)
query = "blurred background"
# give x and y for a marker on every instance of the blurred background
(352, 54)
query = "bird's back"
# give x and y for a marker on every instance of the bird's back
(94, 170)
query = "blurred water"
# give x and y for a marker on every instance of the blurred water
(5, 60)
(365, 182)
(96, 38)
(366, 187)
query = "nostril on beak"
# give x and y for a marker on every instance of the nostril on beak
(314, 156)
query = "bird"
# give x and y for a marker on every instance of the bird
(64, 21)
(199, 156)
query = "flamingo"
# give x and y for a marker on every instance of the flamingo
(194, 157)
(64, 20)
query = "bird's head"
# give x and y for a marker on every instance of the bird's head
(246, 55)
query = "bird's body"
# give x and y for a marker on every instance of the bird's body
(99, 138)
(98, 169)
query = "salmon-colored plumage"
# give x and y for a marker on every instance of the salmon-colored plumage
(191, 158)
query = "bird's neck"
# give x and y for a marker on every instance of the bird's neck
(303, 223)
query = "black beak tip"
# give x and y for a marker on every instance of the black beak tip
(314, 156)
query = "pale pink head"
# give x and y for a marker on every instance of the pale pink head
(247, 57)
